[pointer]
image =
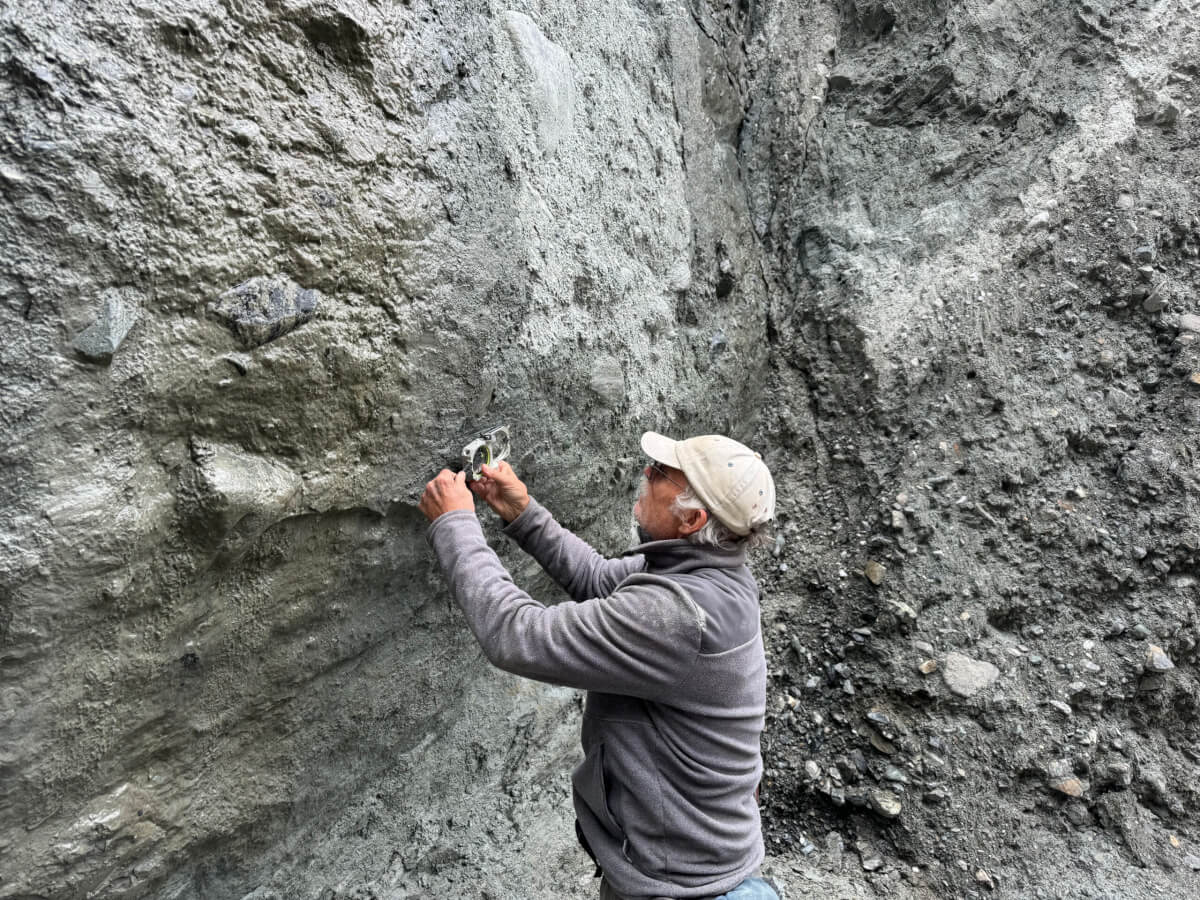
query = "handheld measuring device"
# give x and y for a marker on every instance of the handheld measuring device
(488, 449)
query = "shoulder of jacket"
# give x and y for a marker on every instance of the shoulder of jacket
(671, 591)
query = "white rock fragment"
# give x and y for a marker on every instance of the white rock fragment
(1157, 660)
(235, 488)
(966, 677)
(1064, 708)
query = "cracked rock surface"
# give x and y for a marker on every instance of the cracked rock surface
(267, 267)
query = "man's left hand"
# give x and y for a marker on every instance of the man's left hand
(447, 492)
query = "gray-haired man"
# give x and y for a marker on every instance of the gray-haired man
(666, 641)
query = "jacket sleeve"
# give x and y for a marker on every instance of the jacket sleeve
(640, 641)
(569, 560)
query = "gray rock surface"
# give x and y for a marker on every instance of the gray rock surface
(357, 232)
(938, 262)
(957, 204)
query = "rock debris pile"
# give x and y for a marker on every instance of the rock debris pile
(984, 607)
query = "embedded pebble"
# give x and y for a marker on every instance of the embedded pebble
(1157, 660)
(903, 612)
(966, 677)
(117, 315)
(871, 861)
(1077, 814)
(263, 309)
(936, 796)
(1060, 778)
(1155, 302)
(882, 744)
(608, 380)
(885, 803)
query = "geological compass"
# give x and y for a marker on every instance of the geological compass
(487, 449)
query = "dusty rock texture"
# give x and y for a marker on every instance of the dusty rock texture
(982, 262)
(267, 266)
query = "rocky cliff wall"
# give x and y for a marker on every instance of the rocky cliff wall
(981, 226)
(266, 266)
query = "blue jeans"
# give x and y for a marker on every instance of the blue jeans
(750, 889)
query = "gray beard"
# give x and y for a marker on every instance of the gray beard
(638, 534)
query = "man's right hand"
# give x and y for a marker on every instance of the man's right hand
(502, 490)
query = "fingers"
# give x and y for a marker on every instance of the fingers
(426, 504)
(501, 472)
(446, 492)
(437, 487)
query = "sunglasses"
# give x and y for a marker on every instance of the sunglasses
(654, 472)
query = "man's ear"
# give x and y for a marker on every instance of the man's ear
(692, 521)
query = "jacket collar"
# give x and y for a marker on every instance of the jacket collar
(677, 556)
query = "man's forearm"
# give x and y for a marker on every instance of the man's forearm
(478, 580)
(567, 558)
(638, 641)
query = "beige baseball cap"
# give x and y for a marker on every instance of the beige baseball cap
(731, 479)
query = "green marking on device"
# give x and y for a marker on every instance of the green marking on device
(486, 450)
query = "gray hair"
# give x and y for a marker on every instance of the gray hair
(714, 533)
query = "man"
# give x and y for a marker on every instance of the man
(666, 641)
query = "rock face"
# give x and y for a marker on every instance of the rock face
(982, 265)
(354, 234)
(267, 267)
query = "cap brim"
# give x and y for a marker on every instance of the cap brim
(660, 448)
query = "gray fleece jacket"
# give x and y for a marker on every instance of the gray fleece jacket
(666, 641)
